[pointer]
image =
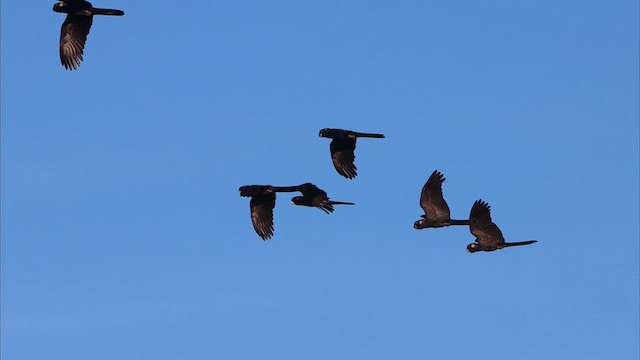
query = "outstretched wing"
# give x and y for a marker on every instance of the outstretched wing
(73, 36)
(432, 200)
(262, 214)
(343, 157)
(486, 232)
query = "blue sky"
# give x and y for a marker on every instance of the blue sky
(123, 235)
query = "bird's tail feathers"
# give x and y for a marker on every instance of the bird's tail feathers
(520, 243)
(367, 135)
(459, 222)
(341, 203)
(97, 11)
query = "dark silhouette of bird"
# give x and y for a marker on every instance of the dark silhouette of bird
(488, 235)
(315, 197)
(436, 210)
(263, 201)
(342, 149)
(75, 29)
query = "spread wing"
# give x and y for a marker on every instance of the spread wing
(486, 232)
(431, 199)
(73, 36)
(343, 157)
(262, 214)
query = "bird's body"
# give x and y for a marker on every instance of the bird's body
(342, 148)
(436, 210)
(315, 197)
(488, 235)
(75, 29)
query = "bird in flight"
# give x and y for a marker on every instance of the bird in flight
(436, 210)
(342, 149)
(75, 29)
(263, 200)
(488, 235)
(315, 197)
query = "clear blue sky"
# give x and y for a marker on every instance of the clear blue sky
(124, 237)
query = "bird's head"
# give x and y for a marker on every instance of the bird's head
(246, 191)
(332, 133)
(60, 7)
(420, 224)
(296, 200)
(473, 247)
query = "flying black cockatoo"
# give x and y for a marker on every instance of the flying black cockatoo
(488, 235)
(263, 200)
(436, 210)
(315, 197)
(342, 149)
(75, 29)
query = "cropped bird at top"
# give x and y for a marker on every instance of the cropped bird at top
(75, 28)
(342, 149)
(315, 197)
(436, 210)
(488, 235)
